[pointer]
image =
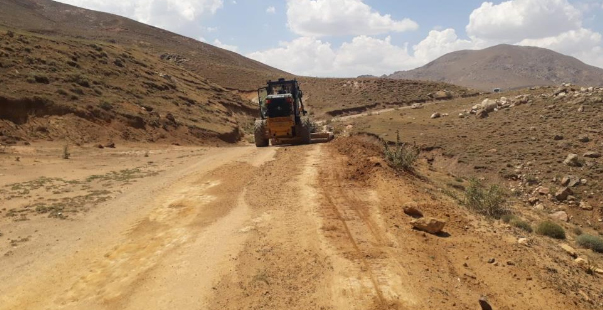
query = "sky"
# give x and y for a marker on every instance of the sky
(347, 38)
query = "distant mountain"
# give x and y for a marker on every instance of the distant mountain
(506, 66)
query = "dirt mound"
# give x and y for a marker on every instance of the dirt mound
(507, 67)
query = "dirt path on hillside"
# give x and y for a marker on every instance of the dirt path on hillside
(242, 228)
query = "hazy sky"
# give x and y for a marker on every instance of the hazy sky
(354, 37)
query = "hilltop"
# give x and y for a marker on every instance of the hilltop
(507, 67)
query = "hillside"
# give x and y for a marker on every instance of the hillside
(51, 18)
(506, 66)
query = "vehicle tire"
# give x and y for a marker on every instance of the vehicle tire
(259, 134)
(306, 133)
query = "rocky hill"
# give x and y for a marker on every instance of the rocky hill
(506, 66)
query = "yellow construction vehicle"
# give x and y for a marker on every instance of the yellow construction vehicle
(282, 116)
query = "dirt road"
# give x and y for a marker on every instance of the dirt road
(306, 227)
(237, 228)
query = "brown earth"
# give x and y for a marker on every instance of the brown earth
(521, 148)
(507, 67)
(310, 227)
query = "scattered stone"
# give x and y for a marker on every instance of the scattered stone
(561, 216)
(558, 137)
(533, 200)
(436, 115)
(523, 241)
(569, 250)
(585, 206)
(416, 106)
(110, 145)
(428, 224)
(510, 263)
(581, 262)
(539, 207)
(599, 271)
(543, 190)
(572, 160)
(411, 209)
(100, 146)
(442, 94)
(570, 180)
(563, 194)
(491, 261)
(592, 154)
(483, 302)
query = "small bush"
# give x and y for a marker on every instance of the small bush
(489, 201)
(10, 34)
(401, 156)
(507, 218)
(523, 225)
(590, 242)
(550, 229)
(63, 92)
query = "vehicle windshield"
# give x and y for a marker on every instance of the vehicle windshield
(280, 89)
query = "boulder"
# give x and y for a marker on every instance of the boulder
(436, 115)
(572, 160)
(563, 194)
(428, 224)
(442, 94)
(569, 250)
(481, 114)
(560, 216)
(488, 105)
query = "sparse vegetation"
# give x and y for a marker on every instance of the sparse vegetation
(10, 34)
(590, 242)
(550, 229)
(523, 225)
(507, 218)
(488, 201)
(106, 106)
(401, 156)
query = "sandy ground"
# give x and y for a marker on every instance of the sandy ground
(250, 228)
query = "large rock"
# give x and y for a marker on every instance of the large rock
(583, 138)
(442, 94)
(563, 193)
(488, 105)
(586, 206)
(572, 160)
(428, 224)
(436, 115)
(560, 216)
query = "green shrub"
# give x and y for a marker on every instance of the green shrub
(401, 156)
(590, 242)
(550, 229)
(507, 218)
(488, 201)
(522, 225)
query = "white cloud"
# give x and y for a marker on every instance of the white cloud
(232, 48)
(438, 43)
(514, 20)
(305, 56)
(362, 55)
(271, 10)
(316, 18)
(167, 14)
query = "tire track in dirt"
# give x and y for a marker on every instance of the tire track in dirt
(351, 224)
